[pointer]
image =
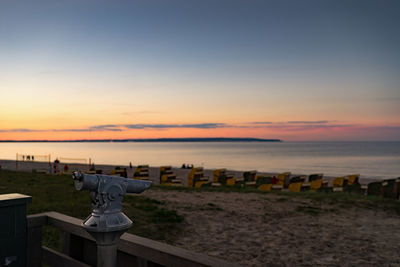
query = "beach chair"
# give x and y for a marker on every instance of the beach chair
(264, 183)
(284, 179)
(295, 187)
(220, 177)
(235, 181)
(263, 179)
(374, 189)
(315, 185)
(141, 172)
(250, 178)
(390, 188)
(315, 176)
(168, 177)
(338, 184)
(352, 179)
(297, 179)
(297, 184)
(265, 187)
(197, 179)
(315, 181)
(351, 183)
(96, 172)
(116, 171)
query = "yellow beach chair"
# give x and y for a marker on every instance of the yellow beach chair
(264, 183)
(220, 177)
(352, 179)
(338, 181)
(338, 184)
(168, 177)
(315, 185)
(284, 179)
(141, 172)
(197, 179)
(315, 181)
(295, 187)
(265, 187)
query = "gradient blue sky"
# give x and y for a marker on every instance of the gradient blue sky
(78, 64)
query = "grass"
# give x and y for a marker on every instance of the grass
(57, 193)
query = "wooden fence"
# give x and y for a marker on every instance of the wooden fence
(79, 248)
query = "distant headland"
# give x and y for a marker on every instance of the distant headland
(190, 139)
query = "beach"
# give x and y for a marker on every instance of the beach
(154, 172)
(274, 229)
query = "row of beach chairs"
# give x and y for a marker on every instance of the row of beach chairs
(281, 182)
(284, 181)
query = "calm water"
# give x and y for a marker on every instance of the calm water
(370, 159)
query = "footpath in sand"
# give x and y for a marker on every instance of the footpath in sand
(278, 230)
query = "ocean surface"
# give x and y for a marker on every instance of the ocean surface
(370, 159)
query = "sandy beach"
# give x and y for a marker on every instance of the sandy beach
(154, 172)
(274, 229)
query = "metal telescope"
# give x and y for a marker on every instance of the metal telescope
(107, 221)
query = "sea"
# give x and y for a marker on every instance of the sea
(369, 159)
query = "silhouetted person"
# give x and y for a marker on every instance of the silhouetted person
(183, 166)
(55, 167)
(130, 165)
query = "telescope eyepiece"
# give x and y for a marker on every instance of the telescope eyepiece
(77, 175)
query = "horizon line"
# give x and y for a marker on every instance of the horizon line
(178, 139)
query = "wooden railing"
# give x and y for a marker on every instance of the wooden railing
(79, 248)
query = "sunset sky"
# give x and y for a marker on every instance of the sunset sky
(294, 70)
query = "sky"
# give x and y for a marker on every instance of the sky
(293, 70)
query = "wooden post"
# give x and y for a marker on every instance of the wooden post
(34, 239)
(34, 255)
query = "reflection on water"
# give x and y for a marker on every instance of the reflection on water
(370, 159)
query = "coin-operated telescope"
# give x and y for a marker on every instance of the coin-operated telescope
(107, 221)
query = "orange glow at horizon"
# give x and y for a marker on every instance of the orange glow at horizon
(293, 133)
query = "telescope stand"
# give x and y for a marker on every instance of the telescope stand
(107, 243)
